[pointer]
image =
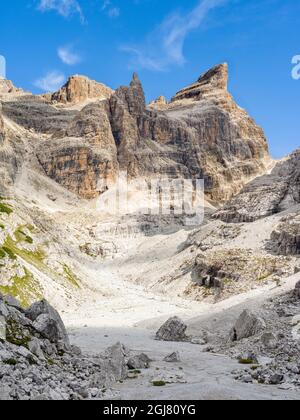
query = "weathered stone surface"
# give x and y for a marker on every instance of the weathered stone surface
(247, 325)
(32, 368)
(102, 249)
(13, 302)
(10, 156)
(285, 239)
(7, 88)
(115, 363)
(269, 340)
(266, 195)
(83, 156)
(47, 321)
(34, 113)
(172, 330)
(216, 79)
(79, 89)
(159, 104)
(140, 361)
(173, 357)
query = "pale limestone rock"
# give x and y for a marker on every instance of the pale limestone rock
(79, 89)
(247, 325)
(172, 330)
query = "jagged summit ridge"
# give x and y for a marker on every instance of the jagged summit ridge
(213, 80)
(205, 135)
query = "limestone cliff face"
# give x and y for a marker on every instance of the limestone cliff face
(10, 157)
(268, 194)
(79, 89)
(83, 154)
(201, 133)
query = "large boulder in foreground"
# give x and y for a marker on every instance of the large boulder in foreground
(172, 330)
(47, 321)
(247, 325)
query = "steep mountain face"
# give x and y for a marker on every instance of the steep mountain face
(202, 133)
(266, 195)
(81, 154)
(10, 156)
(221, 143)
(79, 89)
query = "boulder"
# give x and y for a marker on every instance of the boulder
(116, 366)
(34, 347)
(47, 321)
(247, 325)
(173, 357)
(13, 302)
(269, 341)
(140, 361)
(172, 330)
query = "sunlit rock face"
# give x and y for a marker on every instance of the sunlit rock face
(79, 89)
(94, 132)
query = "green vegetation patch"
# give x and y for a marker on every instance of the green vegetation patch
(5, 251)
(5, 208)
(71, 276)
(247, 361)
(35, 258)
(26, 289)
(159, 383)
(21, 236)
(16, 334)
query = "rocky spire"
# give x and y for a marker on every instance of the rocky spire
(133, 96)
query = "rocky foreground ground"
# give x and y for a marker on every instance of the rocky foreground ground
(37, 361)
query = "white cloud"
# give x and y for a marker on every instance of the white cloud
(164, 46)
(65, 8)
(68, 57)
(110, 9)
(51, 82)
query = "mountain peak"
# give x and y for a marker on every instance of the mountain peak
(7, 87)
(79, 89)
(135, 77)
(211, 82)
(217, 77)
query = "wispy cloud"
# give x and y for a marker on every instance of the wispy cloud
(64, 8)
(68, 56)
(110, 9)
(51, 82)
(163, 47)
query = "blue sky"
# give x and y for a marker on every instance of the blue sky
(170, 43)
